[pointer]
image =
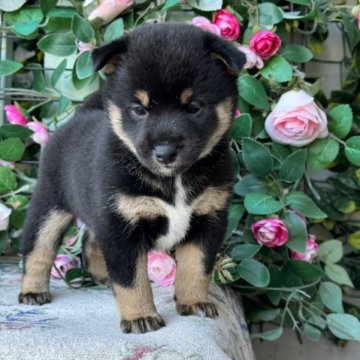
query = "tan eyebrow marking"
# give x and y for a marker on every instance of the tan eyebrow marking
(143, 97)
(186, 95)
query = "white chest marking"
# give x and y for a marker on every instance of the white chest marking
(179, 216)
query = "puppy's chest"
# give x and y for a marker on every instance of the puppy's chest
(178, 213)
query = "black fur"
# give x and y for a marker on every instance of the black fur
(85, 163)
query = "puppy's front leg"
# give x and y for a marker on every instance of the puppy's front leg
(195, 262)
(126, 263)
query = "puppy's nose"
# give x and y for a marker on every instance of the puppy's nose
(165, 153)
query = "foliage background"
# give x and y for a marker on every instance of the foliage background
(53, 77)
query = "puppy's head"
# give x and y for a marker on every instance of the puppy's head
(171, 93)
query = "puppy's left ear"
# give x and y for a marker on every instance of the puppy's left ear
(226, 52)
(108, 57)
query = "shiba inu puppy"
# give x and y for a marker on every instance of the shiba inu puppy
(145, 164)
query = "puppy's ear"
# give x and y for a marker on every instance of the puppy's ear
(226, 52)
(109, 56)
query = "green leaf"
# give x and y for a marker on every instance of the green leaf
(344, 326)
(312, 332)
(82, 29)
(301, 203)
(352, 150)
(58, 72)
(169, 4)
(10, 131)
(270, 335)
(234, 162)
(235, 213)
(7, 180)
(298, 234)
(304, 270)
(267, 315)
(254, 272)
(39, 79)
(248, 184)
(301, 2)
(8, 67)
(84, 66)
(257, 157)
(331, 296)
(297, 53)
(277, 68)
(47, 5)
(293, 167)
(270, 14)
(11, 149)
(57, 44)
(253, 92)
(261, 204)
(322, 153)
(331, 251)
(206, 5)
(25, 21)
(244, 251)
(338, 274)
(341, 119)
(114, 30)
(241, 127)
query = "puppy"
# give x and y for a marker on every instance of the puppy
(145, 164)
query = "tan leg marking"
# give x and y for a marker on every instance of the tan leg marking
(95, 260)
(211, 200)
(136, 304)
(134, 208)
(116, 124)
(225, 116)
(143, 97)
(39, 262)
(192, 284)
(185, 96)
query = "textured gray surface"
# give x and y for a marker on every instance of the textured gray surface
(83, 324)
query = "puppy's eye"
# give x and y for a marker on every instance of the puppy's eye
(193, 107)
(138, 110)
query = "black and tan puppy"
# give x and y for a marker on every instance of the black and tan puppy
(145, 164)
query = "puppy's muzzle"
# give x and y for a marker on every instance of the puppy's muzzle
(166, 153)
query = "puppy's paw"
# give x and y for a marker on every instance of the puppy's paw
(142, 324)
(207, 309)
(35, 298)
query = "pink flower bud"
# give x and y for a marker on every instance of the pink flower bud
(228, 24)
(205, 24)
(161, 268)
(15, 116)
(63, 263)
(252, 59)
(82, 47)
(41, 134)
(312, 249)
(237, 112)
(270, 232)
(265, 43)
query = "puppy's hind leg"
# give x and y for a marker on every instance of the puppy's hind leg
(94, 259)
(41, 240)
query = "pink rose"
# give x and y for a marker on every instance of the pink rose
(312, 248)
(270, 232)
(228, 24)
(252, 59)
(161, 268)
(109, 9)
(15, 116)
(265, 43)
(205, 24)
(4, 217)
(41, 134)
(63, 263)
(296, 120)
(82, 47)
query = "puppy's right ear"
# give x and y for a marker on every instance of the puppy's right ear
(109, 56)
